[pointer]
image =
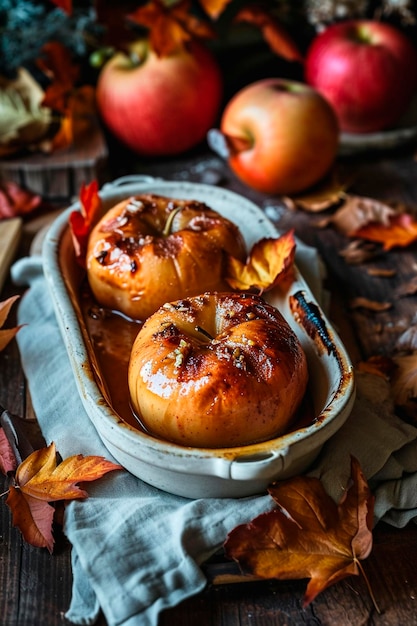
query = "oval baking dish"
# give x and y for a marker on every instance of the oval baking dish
(197, 472)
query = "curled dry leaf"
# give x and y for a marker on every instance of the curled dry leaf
(407, 341)
(24, 120)
(359, 251)
(270, 262)
(381, 272)
(308, 535)
(409, 288)
(41, 479)
(404, 379)
(331, 192)
(357, 212)
(370, 305)
(7, 334)
(170, 27)
(401, 231)
(15, 201)
(8, 462)
(378, 365)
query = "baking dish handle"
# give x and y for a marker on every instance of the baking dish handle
(130, 179)
(260, 466)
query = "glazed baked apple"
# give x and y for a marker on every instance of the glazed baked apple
(150, 249)
(217, 370)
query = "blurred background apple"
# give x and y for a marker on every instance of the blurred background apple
(366, 69)
(281, 136)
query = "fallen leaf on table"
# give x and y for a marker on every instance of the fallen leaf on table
(357, 212)
(407, 341)
(214, 8)
(408, 288)
(370, 305)
(270, 262)
(41, 479)
(308, 535)
(8, 462)
(380, 272)
(401, 231)
(322, 197)
(359, 251)
(7, 334)
(378, 365)
(82, 221)
(404, 380)
(14, 200)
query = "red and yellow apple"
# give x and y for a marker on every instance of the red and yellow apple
(366, 69)
(217, 370)
(160, 106)
(281, 135)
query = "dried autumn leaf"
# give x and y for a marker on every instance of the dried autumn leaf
(8, 461)
(359, 251)
(270, 261)
(170, 27)
(81, 221)
(41, 477)
(33, 517)
(57, 65)
(24, 121)
(409, 288)
(407, 341)
(378, 365)
(7, 334)
(14, 200)
(404, 380)
(381, 272)
(400, 232)
(325, 196)
(309, 535)
(370, 305)
(357, 212)
(273, 32)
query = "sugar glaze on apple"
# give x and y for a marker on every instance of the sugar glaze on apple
(217, 370)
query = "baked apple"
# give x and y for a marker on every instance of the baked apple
(217, 370)
(149, 249)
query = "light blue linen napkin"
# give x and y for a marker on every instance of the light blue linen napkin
(136, 550)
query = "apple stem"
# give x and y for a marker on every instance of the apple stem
(168, 223)
(204, 332)
(226, 146)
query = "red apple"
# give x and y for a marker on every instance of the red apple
(160, 105)
(366, 69)
(282, 136)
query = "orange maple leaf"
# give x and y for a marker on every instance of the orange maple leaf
(308, 535)
(57, 65)
(82, 221)
(41, 479)
(170, 27)
(278, 39)
(270, 262)
(400, 232)
(7, 334)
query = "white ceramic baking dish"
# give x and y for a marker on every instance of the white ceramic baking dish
(191, 472)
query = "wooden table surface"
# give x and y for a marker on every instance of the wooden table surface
(35, 587)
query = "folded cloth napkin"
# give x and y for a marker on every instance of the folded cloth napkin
(136, 550)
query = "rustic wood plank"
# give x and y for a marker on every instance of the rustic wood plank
(10, 233)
